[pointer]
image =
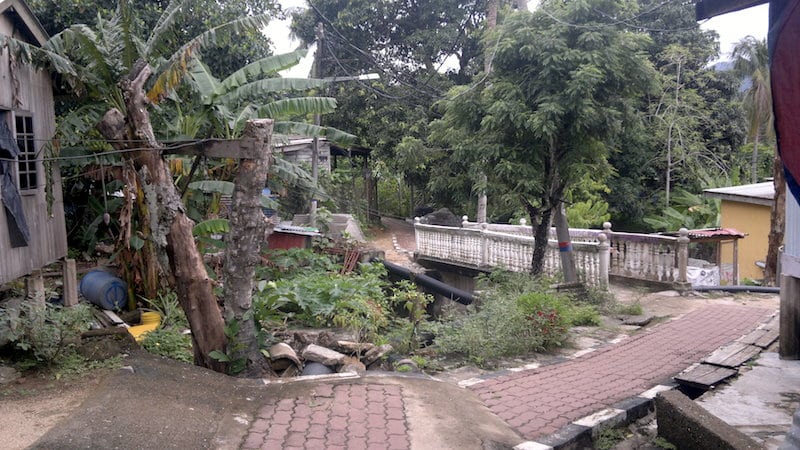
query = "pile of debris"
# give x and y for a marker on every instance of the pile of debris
(320, 352)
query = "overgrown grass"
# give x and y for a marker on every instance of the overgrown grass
(171, 343)
(169, 339)
(518, 314)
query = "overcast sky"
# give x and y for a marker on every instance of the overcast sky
(731, 28)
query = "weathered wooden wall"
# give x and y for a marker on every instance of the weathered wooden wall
(48, 232)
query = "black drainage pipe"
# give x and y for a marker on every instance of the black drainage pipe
(455, 294)
(739, 288)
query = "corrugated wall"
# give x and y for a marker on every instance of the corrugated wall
(48, 231)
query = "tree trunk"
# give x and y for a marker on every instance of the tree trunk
(776, 223)
(242, 254)
(171, 229)
(540, 222)
(565, 245)
(754, 160)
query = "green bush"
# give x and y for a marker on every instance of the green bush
(314, 298)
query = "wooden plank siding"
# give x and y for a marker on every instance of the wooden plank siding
(48, 231)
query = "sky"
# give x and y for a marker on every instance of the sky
(731, 28)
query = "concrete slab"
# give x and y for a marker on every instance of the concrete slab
(761, 401)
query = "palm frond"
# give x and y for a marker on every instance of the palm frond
(261, 68)
(307, 129)
(213, 187)
(205, 83)
(297, 106)
(265, 87)
(178, 64)
(166, 20)
(41, 56)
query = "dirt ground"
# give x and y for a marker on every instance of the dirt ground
(30, 406)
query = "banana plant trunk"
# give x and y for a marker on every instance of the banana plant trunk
(170, 228)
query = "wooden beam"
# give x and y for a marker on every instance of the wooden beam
(706, 9)
(212, 148)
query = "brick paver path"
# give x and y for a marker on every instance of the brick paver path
(341, 416)
(539, 402)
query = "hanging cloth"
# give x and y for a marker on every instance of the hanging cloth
(18, 231)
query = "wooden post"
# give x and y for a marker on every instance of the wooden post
(69, 274)
(34, 287)
(789, 342)
(605, 260)
(735, 262)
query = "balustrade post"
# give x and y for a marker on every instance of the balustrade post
(464, 221)
(683, 258)
(417, 221)
(605, 260)
(484, 245)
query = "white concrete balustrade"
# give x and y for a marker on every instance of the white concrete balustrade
(597, 253)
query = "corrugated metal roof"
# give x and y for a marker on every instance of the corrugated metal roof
(757, 193)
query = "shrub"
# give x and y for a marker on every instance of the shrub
(48, 333)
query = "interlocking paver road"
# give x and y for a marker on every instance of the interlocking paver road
(539, 402)
(341, 416)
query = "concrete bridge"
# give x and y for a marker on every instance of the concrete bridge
(599, 253)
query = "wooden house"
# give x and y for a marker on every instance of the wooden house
(32, 229)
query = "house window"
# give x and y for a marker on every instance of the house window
(26, 162)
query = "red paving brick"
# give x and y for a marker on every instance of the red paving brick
(554, 396)
(349, 416)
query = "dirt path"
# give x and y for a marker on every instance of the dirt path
(29, 407)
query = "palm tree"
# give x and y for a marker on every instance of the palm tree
(109, 68)
(751, 62)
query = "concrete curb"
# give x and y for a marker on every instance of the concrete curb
(579, 433)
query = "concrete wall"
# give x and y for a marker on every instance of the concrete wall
(752, 220)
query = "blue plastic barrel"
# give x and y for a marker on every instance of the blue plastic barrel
(104, 290)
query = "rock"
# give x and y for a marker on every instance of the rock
(442, 217)
(638, 321)
(299, 339)
(352, 365)
(8, 374)
(282, 355)
(376, 353)
(352, 347)
(323, 355)
(315, 368)
(406, 365)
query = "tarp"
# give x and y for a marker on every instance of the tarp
(784, 46)
(18, 231)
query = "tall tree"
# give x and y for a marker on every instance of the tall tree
(751, 62)
(562, 89)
